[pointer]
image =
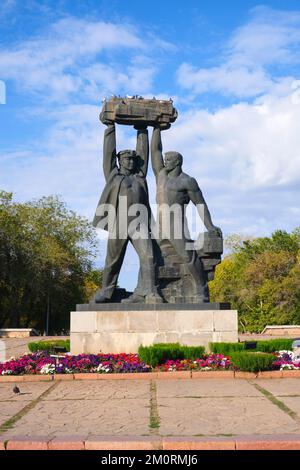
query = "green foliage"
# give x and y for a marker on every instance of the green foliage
(273, 345)
(193, 352)
(225, 348)
(162, 352)
(252, 362)
(48, 345)
(267, 346)
(46, 254)
(261, 279)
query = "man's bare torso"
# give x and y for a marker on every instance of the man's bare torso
(172, 190)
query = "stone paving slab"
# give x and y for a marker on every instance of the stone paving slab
(9, 409)
(90, 408)
(101, 390)
(292, 402)
(11, 404)
(217, 416)
(206, 388)
(29, 391)
(85, 417)
(153, 408)
(279, 387)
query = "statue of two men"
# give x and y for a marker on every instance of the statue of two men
(126, 188)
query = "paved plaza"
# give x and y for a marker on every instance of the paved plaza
(159, 409)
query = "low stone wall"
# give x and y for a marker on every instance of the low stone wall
(17, 332)
(290, 331)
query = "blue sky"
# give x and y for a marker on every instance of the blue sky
(232, 68)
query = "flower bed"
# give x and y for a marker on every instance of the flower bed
(43, 363)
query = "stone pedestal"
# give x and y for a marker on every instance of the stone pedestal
(117, 328)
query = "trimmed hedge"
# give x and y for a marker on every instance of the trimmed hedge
(273, 345)
(225, 348)
(268, 346)
(161, 352)
(252, 362)
(49, 345)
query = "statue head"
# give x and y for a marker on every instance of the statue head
(128, 159)
(172, 160)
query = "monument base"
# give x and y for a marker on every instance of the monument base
(118, 329)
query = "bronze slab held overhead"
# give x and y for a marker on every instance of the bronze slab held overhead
(138, 111)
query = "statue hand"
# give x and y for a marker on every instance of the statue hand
(105, 121)
(162, 126)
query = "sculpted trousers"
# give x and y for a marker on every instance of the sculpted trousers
(116, 249)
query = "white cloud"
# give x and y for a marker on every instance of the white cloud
(251, 145)
(269, 38)
(66, 59)
(229, 79)
(110, 80)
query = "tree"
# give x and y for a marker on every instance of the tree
(46, 255)
(261, 279)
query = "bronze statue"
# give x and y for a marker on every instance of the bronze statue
(172, 269)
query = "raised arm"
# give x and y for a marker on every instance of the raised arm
(156, 151)
(196, 196)
(109, 151)
(142, 148)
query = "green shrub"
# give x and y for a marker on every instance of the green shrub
(273, 345)
(268, 346)
(193, 352)
(49, 345)
(252, 362)
(225, 348)
(162, 352)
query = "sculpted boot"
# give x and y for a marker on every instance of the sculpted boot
(99, 298)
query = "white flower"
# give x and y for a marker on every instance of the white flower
(7, 372)
(48, 369)
(101, 368)
(284, 352)
(287, 367)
